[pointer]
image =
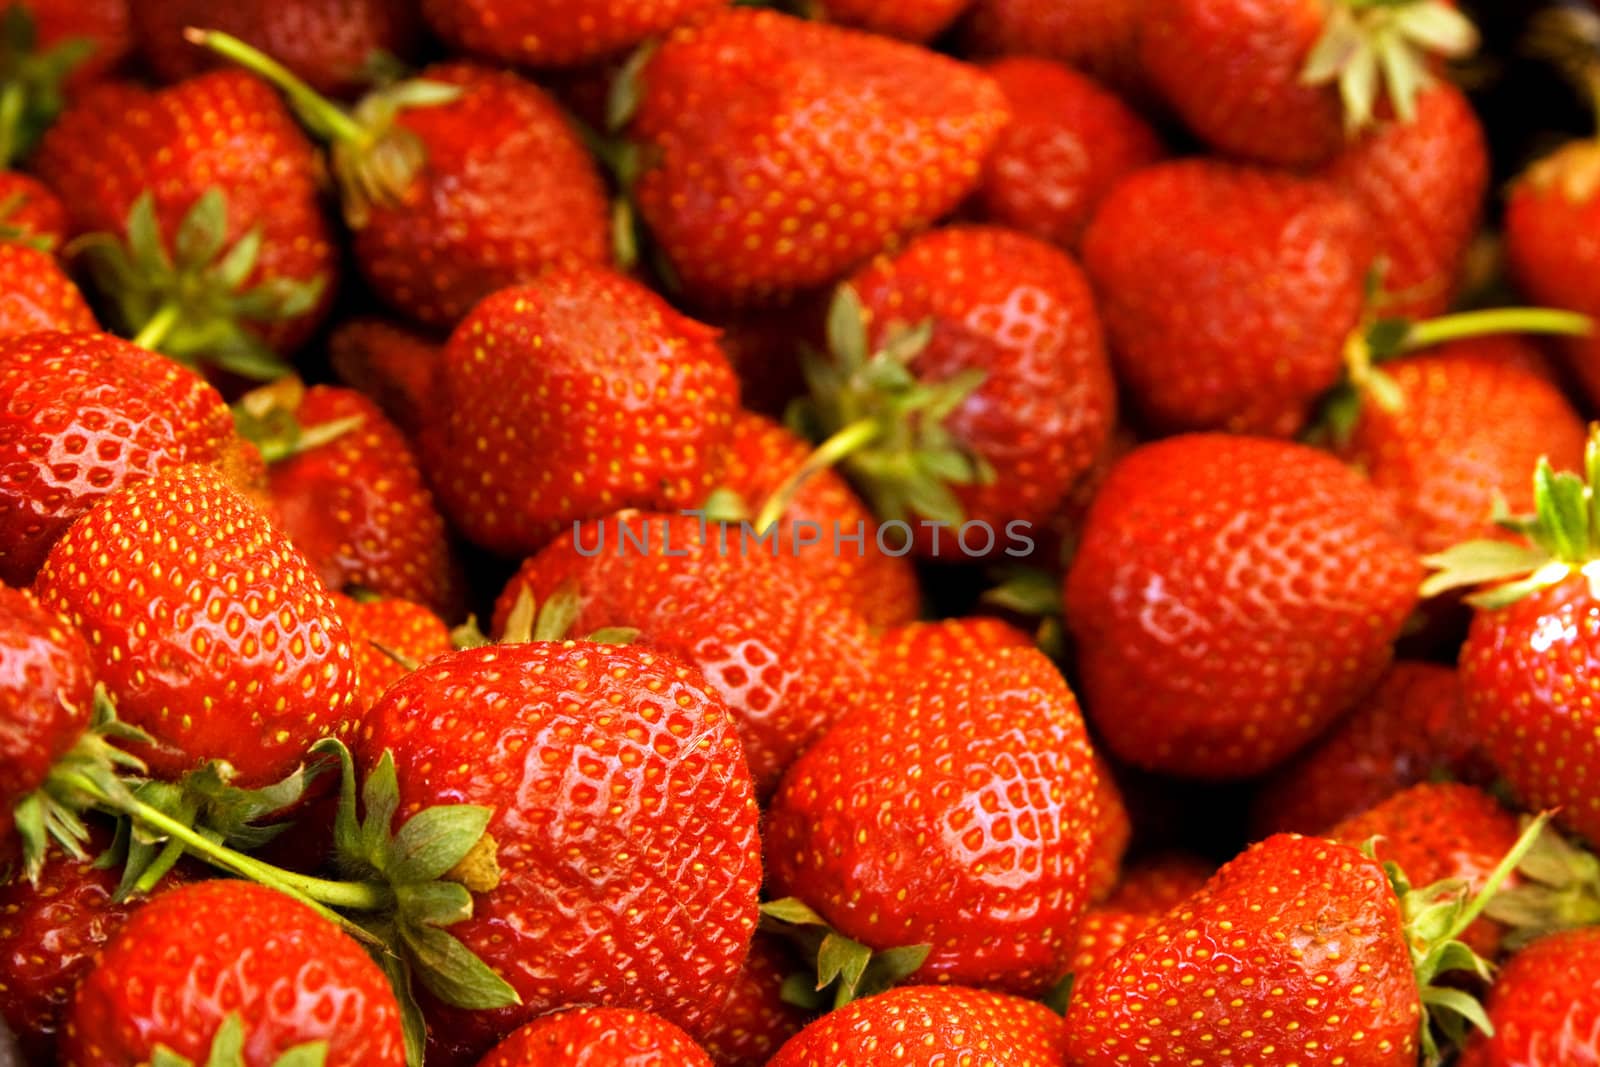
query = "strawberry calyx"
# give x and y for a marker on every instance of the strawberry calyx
(227, 1050)
(374, 159)
(1569, 37)
(12, 232)
(1561, 538)
(268, 417)
(190, 302)
(880, 423)
(1377, 49)
(530, 620)
(1559, 889)
(846, 966)
(31, 81)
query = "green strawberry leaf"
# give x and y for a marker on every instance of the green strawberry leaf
(792, 910)
(452, 972)
(380, 799)
(1479, 562)
(433, 841)
(1060, 995)
(227, 1050)
(204, 229)
(1026, 590)
(434, 903)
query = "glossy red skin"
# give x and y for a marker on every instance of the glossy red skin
(328, 43)
(359, 509)
(772, 642)
(46, 695)
(49, 935)
(958, 813)
(1068, 143)
(27, 206)
(1438, 830)
(208, 629)
(593, 395)
(1099, 37)
(104, 22)
(1408, 729)
(82, 414)
(930, 1026)
(400, 626)
(507, 192)
(761, 455)
(392, 364)
(1545, 1006)
(598, 1037)
(192, 956)
(624, 817)
(119, 141)
(1227, 292)
(829, 144)
(1468, 435)
(1288, 911)
(1021, 312)
(1423, 184)
(35, 294)
(1231, 70)
(1525, 674)
(909, 20)
(1206, 555)
(1159, 882)
(1103, 931)
(756, 1020)
(554, 33)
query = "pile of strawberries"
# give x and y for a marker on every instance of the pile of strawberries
(660, 533)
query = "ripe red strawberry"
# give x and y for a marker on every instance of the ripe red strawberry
(1423, 184)
(598, 1037)
(1439, 830)
(1103, 931)
(766, 632)
(1157, 883)
(628, 855)
(1109, 838)
(1099, 37)
(50, 932)
(1286, 81)
(30, 213)
(390, 363)
(554, 33)
(1408, 729)
(183, 178)
(82, 414)
(36, 295)
(1452, 435)
(929, 1026)
(1069, 141)
(389, 625)
(910, 20)
(1205, 556)
(755, 1019)
(831, 145)
(332, 45)
(569, 398)
(209, 630)
(956, 812)
(1227, 292)
(1013, 391)
(1545, 1006)
(881, 586)
(190, 958)
(1297, 952)
(356, 504)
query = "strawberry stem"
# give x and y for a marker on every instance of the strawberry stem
(160, 326)
(825, 455)
(1496, 320)
(12, 103)
(327, 119)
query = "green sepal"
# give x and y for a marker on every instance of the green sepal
(850, 969)
(413, 1027)
(1060, 995)
(13, 233)
(626, 92)
(469, 635)
(433, 841)
(31, 81)
(227, 1050)
(1475, 563)
(552, 620)
(725, 505)
(1559, 890)
(1030, 591)
(269, 418)
(380, 167)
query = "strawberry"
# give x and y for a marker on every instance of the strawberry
(760, 458)
(554, 33)
(348, 492)
(50, 931)
(764, 345)
(755, 1019)
(102, 25)
(910, 20)
(226, 962)
(1439, 830)
(773, 643)
(390, 363)
(538, 426)
(831, 145)
(82, 414)
(627, 849)
(332, 45)
(1157, 883)
(893, 829)
(1408, 729)
(973, 362)
(1103, 931)
(1297, 952)
(216, 247)
(929, 1026)
(206, 626)
(1286, 81)
(1068, 143)
(1451, 434)
(1207, 555)
(30, 213)
(1423, 183)
(50, 50)
(1112, 832)
(383, 628)
(1227, 292)
(1544, 1006)
(36, 295)
(1099, 37)
(598, 1037)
